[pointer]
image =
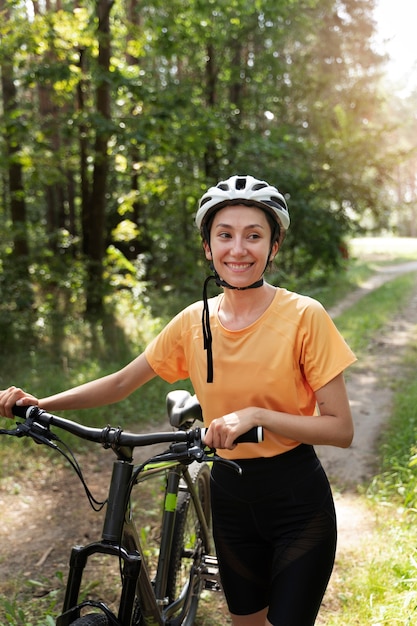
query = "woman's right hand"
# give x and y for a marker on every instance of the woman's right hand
(9, 397)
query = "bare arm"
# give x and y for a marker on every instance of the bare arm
(100, 392)
(333, 426)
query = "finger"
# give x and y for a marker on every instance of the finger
(9, 398)
(5, 401)
(27, 401)
(213, 436)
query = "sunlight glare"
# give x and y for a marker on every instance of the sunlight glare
(396, 25)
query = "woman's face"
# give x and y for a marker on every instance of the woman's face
(240, 242)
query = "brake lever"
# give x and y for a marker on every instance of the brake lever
(13, 432)
(207, 454)
(21, 430)
(40, 434)
(182, 453)
(196, 453)
(212, 456)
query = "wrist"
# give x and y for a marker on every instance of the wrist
(258, 416)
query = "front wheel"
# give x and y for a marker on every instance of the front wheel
(188, 545)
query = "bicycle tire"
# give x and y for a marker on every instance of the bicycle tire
(187, 547)
(91, 619)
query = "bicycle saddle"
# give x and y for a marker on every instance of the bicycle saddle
(183, 408)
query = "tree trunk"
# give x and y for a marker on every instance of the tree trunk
(15, 276)
(15, 182)
(94, 214)
(211, 161)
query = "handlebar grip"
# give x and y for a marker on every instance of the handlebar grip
(22, 411)
(254, 435)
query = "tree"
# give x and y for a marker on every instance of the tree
(130, 110)
(15, 285)
(94, 234)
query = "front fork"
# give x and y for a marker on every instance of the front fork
(115, 529)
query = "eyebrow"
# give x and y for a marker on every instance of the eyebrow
(222, 225)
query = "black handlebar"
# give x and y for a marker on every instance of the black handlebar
(108, 436)
(116, 437)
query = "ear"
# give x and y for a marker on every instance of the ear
(207, 251)
(274, 251)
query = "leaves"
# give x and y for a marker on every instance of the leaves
(186, 94)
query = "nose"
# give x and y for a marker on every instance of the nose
(238, 248)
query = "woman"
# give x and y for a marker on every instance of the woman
(256, 355)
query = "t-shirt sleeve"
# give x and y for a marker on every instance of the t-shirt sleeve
(166, 353)
(324, 353)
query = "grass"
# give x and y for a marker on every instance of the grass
(398, 449)
(377, 587)
(374, 587)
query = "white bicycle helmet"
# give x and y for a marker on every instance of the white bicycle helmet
(245, 190)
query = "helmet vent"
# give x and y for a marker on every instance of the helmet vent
(279, 202)
(223, 187)
(204, 200)
(259, 186)
(240, 183)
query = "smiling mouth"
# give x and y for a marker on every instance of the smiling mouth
(238, 266)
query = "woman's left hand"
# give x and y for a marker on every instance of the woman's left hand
(223, 431)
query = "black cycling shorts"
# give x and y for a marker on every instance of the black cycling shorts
(274, 528)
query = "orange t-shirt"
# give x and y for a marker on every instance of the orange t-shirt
(278, 362)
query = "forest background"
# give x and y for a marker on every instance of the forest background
(117, 116)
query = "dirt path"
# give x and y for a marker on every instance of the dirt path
(382, 275)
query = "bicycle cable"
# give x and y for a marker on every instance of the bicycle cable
(43, 435)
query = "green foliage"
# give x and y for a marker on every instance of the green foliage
(17, 611)
(287, 91)
(377, 585)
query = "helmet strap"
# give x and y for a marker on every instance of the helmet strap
(222, 283)
(207, 336)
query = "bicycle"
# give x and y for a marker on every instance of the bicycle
(186, 563)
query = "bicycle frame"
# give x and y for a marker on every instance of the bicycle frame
(120, 539)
